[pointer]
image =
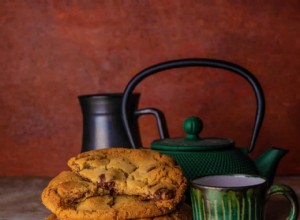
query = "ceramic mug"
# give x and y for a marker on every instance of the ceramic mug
(236, 197)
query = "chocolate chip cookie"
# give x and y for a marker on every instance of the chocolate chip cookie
(147, 174)
(183, 212)
(116, 183)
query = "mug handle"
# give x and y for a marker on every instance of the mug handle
(290, 194)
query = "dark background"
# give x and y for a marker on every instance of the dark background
(53, 51)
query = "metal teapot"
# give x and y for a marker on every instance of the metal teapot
(208, 156)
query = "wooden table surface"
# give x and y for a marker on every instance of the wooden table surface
(20, 198)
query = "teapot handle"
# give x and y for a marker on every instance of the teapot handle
(260, 100)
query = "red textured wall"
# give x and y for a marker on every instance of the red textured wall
(53, 51)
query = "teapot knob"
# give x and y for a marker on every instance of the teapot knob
(192, 127)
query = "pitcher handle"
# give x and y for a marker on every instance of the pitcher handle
(290, 194)
(260, 110)
(160, 119)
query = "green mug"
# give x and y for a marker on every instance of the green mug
(236, 197)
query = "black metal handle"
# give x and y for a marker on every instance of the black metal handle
(160, 120)
(198, 62)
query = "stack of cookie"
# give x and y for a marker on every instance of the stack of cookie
(118, 183)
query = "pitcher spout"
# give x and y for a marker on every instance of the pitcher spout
(267, 162)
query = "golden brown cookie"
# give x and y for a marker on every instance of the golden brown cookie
(71, 197)
(51, 217)
(144, 173)
(183, 212)
(116, 184)
(65, 189)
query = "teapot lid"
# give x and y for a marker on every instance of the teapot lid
(192, 142)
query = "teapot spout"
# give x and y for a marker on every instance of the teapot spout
(267, 162)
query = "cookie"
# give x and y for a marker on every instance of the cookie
(65, 189)
(116, 184)
(183, 212)
(70, 196)
(145, 173)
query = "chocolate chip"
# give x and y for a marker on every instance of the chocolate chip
(143, 198)
(163, 194)
(108, 185)
(151, 168)
(88, 166)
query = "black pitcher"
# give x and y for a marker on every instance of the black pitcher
(102, 120)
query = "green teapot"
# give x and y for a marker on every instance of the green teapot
(207, 156)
